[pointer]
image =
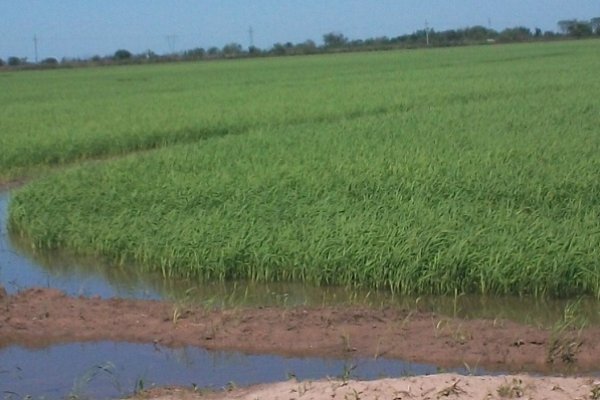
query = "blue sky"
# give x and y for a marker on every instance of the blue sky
(82, 28)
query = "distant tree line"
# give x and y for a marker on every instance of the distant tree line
(333, 42)
(580, 29)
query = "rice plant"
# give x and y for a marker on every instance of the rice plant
(428, 172)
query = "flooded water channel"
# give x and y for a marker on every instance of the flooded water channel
(107, 369)
(20, 268)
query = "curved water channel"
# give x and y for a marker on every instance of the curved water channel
(109, 370)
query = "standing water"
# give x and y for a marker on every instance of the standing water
(20, 271)
(21, 268)
(111, 370)
(108, 369)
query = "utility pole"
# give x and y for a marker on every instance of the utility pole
(251, 35)
(35, 47)
(171, 41)
(427, 32)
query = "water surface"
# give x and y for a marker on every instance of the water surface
(22, 268)
(110, 370)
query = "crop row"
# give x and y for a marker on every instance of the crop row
(66, 116)
(477, 175)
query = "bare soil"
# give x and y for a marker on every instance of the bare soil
(42, 317)
(414, 388)
(7, 184)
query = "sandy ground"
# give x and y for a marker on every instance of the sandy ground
(414, 388)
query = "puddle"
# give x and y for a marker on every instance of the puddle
(110, 370)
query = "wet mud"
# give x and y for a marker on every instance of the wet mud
(39, 317)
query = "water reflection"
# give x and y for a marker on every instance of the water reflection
(20, 269)
(110, 370)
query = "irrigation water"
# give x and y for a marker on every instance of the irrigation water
(20, 271)
(109, 369)
(22, 268)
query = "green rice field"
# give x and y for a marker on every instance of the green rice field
(464, 170)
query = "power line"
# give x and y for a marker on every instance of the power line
(171, 41)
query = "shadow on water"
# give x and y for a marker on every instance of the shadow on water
(110, 370)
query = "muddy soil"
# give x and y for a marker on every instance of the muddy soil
(7, 184)
(42, 317)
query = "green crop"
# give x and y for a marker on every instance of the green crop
(456, 170)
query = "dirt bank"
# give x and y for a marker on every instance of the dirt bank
(42, 317)
(7, 184)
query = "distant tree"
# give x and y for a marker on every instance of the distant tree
(1, 62)
(538, 33)
(334, 40)
(213, 51)
(278, 49)
(418, 36)
(580, 29)
(565, 24)
(254, 51)
(357, 43)
(307, 47)
(16, 61)
(595, 23)
(122, 55)
(517, 34)
(232, 50)
(450, 36)
(194, 54)
(478, 33)
(374, 43)
(49, 61)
